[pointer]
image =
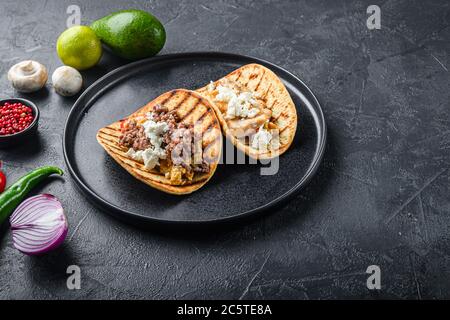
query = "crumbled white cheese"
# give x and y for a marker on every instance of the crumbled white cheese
(225, 94)
(241, 105)
(154, 132)
(261, 139)
(211, 86)
(150, 157)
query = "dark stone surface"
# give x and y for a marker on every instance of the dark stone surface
(381, 196)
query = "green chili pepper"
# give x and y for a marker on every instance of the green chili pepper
(14, 195)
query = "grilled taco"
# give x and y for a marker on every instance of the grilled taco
(172, 144)
(255, 110)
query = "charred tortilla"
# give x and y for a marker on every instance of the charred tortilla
(191, 109)
(277, 110)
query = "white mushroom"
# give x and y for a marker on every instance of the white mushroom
(67, 81)
(28, 76)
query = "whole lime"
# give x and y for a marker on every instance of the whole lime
(79, 47)
(131, 34)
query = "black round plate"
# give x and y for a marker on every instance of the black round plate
(235, 191)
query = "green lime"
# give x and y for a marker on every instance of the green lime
(131, 34)
(79, 47)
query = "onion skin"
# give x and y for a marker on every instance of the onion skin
(38, 225)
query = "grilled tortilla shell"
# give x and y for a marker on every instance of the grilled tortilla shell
(191, 108)
(274, 95)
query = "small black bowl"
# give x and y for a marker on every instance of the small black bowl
(16, 138)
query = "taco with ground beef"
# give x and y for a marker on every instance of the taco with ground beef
(173, 143)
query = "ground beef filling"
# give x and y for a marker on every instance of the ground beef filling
(134, 137)
(178, 142)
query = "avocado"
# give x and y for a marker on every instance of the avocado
(131, 34)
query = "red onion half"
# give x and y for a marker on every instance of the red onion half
(38, 225)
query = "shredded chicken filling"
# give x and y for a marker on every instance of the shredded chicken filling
(245, 113)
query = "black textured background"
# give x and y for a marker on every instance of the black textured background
(382, 195)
